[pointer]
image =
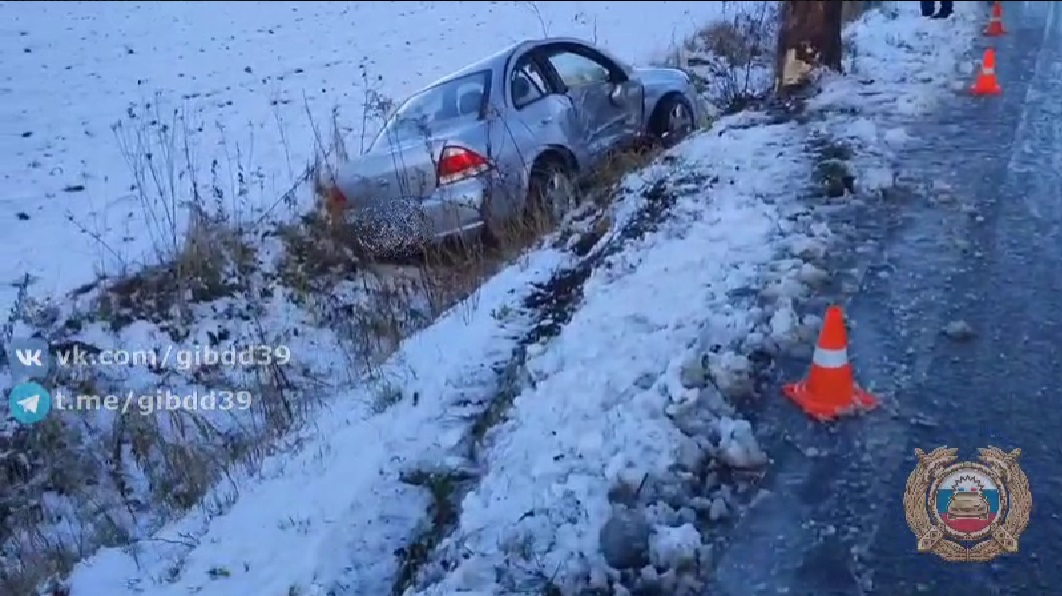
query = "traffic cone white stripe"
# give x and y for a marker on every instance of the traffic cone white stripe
(830, 358)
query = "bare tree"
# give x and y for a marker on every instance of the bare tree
(810, 37)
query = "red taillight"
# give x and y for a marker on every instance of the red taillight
(336, 196)
(335, 201)
(458, 163)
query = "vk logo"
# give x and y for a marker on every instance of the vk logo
(28, 358)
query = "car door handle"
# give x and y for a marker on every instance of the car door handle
(546, 121)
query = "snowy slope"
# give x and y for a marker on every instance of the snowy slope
(243, 83)
(602, 411)
(624, 394)
(340, 505)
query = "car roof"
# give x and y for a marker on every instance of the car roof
(497, 59)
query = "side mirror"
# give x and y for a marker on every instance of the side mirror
(621, 92)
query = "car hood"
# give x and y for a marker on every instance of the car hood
(671, 77)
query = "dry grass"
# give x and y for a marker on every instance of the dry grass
(728, 58)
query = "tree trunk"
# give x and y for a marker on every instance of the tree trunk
(851, 10)
(810, 38)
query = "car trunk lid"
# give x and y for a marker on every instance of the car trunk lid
(410, 169)
(402, 171)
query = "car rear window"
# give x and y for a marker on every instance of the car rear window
(443, 104)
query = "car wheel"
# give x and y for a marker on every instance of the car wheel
(672, 120)
(552, 193)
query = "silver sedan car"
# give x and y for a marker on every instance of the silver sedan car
(516, 132)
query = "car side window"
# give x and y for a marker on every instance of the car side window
(528, 84)
(577, 69)
(469, 98)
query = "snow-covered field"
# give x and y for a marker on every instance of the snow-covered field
(244, 84)
(547, 444)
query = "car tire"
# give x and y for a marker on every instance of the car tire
(493, 229)
(672, 120)
(551, 191)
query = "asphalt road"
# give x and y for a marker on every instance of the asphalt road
(991, 255)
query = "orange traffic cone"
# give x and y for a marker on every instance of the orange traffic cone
(995, 22)
(829, 390)
(986, 82)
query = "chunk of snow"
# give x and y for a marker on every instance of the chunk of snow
(674, 547)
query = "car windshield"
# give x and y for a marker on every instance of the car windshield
(443, 104)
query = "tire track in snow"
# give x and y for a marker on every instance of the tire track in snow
(550, 305)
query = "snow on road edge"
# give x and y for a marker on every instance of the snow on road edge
(901, 66)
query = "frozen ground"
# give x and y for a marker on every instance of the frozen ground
(243, 83)
(581, 431)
